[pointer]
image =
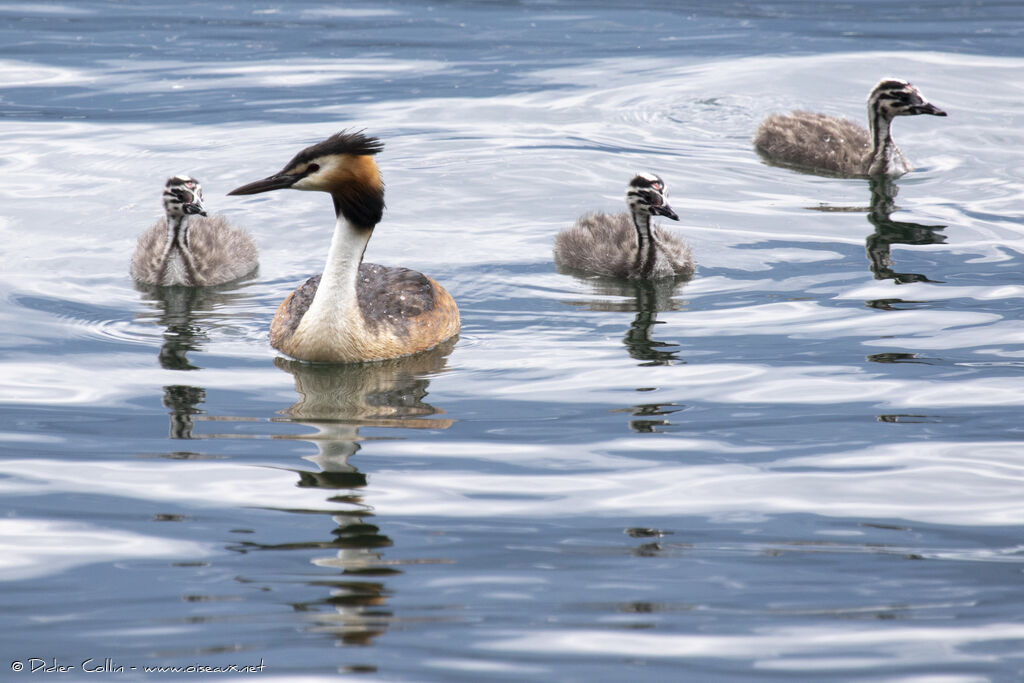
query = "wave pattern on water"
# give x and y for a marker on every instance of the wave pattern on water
(808, 454)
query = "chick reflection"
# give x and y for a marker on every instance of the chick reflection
(182, 400)
(336, 400)
(644, 298)
(184, 313)
(889, 232)
(648, 416)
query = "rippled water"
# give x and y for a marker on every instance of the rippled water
(806, 463)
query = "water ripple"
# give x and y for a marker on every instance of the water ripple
(34, 548)
(952, 483)
(793, 649)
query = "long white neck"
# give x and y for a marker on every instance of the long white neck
(337, 290)
(883, 149)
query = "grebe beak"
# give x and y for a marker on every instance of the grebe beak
(194, 207)
(927, 108)
(665, 210)
(278, 181)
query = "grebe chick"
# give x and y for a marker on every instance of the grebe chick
(626, 245)
(354, 311)
(188, 248)
(823, 143)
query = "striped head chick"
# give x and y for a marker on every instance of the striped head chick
(627, 245)
(647, 195)
(893, 97)
(187, 248)
(836, 146)
(183, 196)
(890, 98)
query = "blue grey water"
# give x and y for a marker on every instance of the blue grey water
(805, 464)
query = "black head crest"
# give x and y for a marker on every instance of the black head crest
(356, 143)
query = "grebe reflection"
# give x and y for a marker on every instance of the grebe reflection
(336, 401)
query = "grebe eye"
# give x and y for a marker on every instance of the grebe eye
(312, 168)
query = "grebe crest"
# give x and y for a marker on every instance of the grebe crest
(823, 143)
(189, 248)
(627, 245)
(354, 311)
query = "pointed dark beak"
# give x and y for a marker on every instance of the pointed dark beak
(193, 209)
(927, 108)
(666, 211)
(279, 181)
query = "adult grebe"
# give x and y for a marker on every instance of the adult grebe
(187, 248)
(626, 245)
(354, 311)
(824, 143)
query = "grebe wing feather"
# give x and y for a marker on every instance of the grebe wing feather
(814, 140)
(394, 298)
(598, 243)
(222, 251)
(147, 260)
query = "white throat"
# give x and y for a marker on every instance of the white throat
(335, 306)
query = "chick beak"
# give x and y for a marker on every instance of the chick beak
(193, 208)
(665, 210)
(927, 108)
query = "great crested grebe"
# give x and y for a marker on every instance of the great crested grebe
(626, 245)
(354, 311)
(820, 142)
(187, 248)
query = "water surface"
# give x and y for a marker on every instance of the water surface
(804, 464)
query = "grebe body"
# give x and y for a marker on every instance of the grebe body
(354, 311)
(627, 245)
(823, 143)
(189, 248)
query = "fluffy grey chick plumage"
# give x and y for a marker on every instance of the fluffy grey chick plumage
(836, 146)
(186, 247)
(626, 245)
